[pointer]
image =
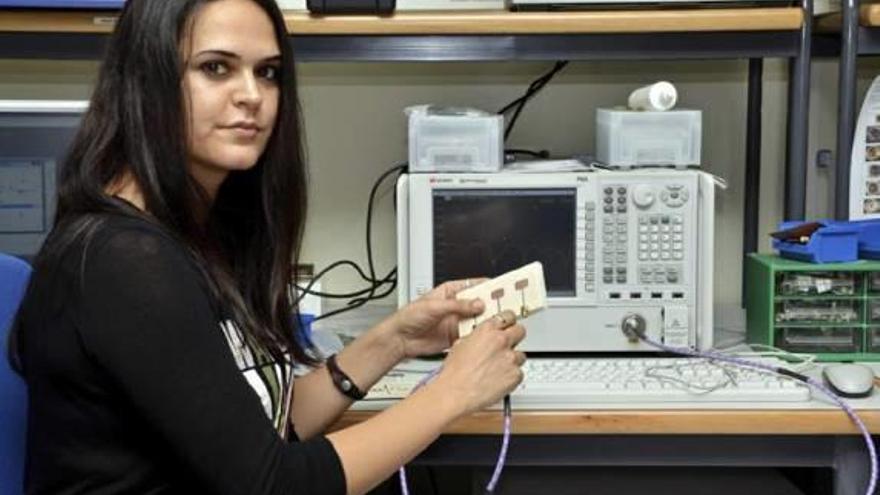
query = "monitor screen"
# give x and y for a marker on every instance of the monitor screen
(33, 143)
(491, 231)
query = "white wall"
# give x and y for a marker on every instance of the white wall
(355, 130)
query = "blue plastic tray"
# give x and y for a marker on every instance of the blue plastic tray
(836, 242)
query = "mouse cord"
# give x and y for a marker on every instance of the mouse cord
(715, 356)
(502, 455)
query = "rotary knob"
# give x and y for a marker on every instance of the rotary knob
(643, 196)
(633, 326)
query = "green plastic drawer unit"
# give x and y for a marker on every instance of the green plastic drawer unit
(831, 310)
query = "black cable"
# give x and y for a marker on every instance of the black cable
(356, 303)
(533, 89)
(399, 169)
(308, 288)
(361, 296)
(543, 154)
(535, 86)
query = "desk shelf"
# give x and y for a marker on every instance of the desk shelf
(463, 36)
(701, 33)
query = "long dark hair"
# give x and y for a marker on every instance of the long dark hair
(136, 124)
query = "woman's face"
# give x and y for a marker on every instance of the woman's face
(230, 88)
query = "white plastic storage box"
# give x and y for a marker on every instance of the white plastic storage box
(449, 140)
(630, 138)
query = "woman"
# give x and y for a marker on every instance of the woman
(155, 337)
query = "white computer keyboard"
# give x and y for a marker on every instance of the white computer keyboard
(555, 382)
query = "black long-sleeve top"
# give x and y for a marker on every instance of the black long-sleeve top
(137, 385)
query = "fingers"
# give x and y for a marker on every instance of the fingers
(504, 319)
(455, 286)
(463, 308)
(515, 335)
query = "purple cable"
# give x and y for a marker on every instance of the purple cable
(502, 455)
(872, 453)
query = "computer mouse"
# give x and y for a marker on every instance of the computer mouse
(849, 380)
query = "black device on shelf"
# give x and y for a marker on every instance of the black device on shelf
(336, 7)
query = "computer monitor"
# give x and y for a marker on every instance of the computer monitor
(34, 137)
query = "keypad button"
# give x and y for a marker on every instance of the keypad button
(608, 209)
(654, 220)
(608, 200)
(621, 209)
(643, 256)
(609, 190)
(621, 190)
(608, 279)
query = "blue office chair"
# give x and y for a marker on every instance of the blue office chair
(14, 275)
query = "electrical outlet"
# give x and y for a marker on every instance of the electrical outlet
(521, 290)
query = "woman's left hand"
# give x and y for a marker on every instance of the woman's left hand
(429, 324)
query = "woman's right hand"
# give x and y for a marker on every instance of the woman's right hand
(483, 367)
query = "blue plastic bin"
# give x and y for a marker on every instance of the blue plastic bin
(835, 242)
(869, 238)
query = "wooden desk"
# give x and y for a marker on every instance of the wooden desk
(656, 422)
(658, 438)
(480, 22)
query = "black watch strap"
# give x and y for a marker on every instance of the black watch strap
(343, 382)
